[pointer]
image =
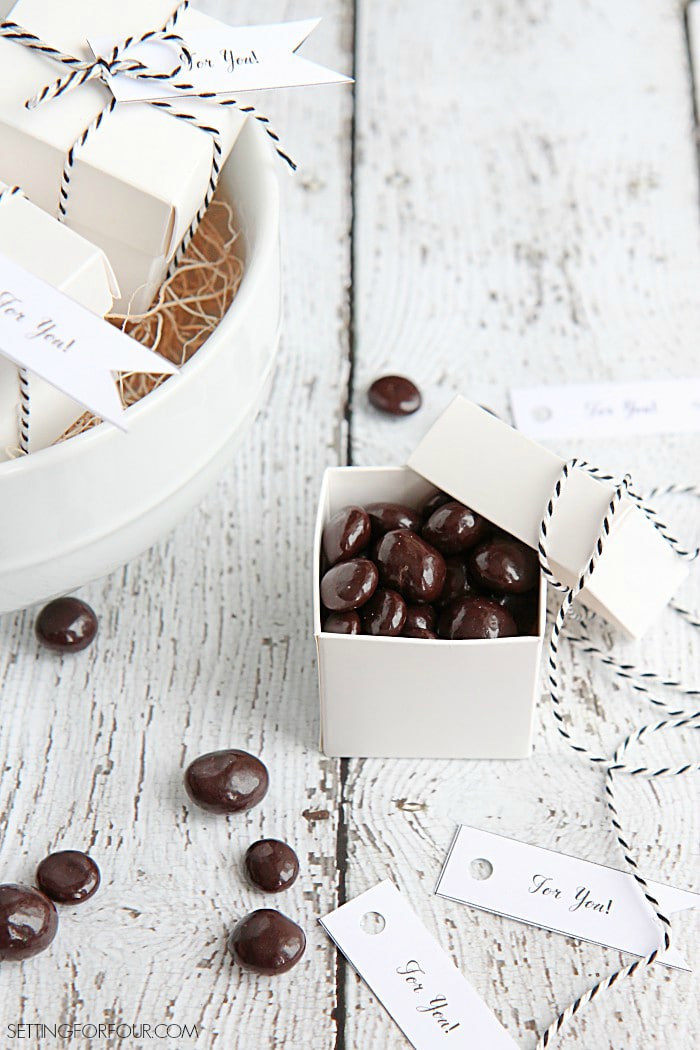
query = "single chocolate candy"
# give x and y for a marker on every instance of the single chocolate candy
(66, 625)
(346, 534)
(434, 502)
(504, 565)
(271, 865)
(411, 566)
(349, 584)
(395, 395)
(387, 516)
(28, 922)
(68, 877)
(417, 632)
(523, 608)
(457, 582)
(229, 781)
(343, 623)
(384, 613)
(453, 528)
(267, 942)
(476, 618)
(419, 617)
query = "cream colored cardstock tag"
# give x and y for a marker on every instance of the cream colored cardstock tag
(411, 975)
(556, 892)
(57, 339)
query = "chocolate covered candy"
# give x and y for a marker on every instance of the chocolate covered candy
(66, 625)
(411, 566)
(347, 533)
(452, 528)
(384, 517)
(271, 865)
(267, 942)
(230, 781)
(524, 609)
(504, 565)
(395, 395)
(349, 584)
(433, 503)
(343, 623)
(68, 877)
(417, 632)
(457, 583)
(476, 618)
(419, 618)
(384, 613)
(28, 922)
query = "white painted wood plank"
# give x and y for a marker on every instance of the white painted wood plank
(205, 642)
(527, 211)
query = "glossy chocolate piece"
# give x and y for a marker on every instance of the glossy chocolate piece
(384, 613)
(347, 533)
(349, 584)
(271, 865)
(457, 583)
(384, 517)
(524, 609)
(343, 623)
(28, 922)
(267, 942)
(504, 565)
(66, 625)
(420, 617)
(395, 395)
(417, 632)
(68, 877)
(411, 566)
(435, 501)
(230, 781)
(476, 618)
(453, 528)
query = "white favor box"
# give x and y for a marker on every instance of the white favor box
(418, 698)
(67, 261)
(139, 179)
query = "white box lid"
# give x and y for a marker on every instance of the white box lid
(508, 478)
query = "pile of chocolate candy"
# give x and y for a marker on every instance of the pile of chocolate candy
(444, 572)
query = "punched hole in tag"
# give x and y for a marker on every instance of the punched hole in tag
(481, 869)
(372, 923)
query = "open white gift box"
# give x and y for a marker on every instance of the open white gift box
(138, 181)
(411, 698)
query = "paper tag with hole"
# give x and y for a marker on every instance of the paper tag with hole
(408, 971)
(560, 893)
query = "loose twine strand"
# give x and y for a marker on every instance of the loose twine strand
(641, 681)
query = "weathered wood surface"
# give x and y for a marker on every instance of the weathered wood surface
(526, 208)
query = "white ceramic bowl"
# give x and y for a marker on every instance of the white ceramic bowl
(76, 511)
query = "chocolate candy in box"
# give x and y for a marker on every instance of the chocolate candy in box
(416, 697)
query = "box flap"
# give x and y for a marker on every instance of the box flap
(508, 478)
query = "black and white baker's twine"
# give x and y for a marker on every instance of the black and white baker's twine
(682, 715)
(79, 72)
(23, 375)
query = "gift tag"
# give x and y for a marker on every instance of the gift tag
(608, 409)
(560, 893)
(222, 59)
(53, 337)
(408, 971)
